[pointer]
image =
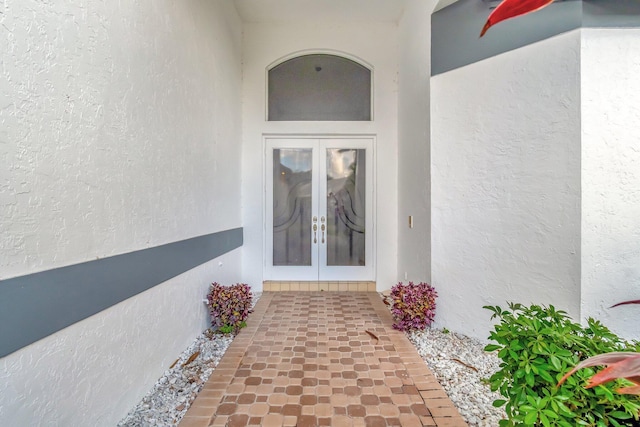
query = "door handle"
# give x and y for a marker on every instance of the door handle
(315, 233)
(322, 227)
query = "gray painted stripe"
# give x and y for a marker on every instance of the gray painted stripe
(37, 305)
(455, 32)
(455, 29)
(611, 13)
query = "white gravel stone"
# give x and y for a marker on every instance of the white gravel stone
(169, 399)
(447, 354)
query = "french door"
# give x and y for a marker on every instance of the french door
(319, 209)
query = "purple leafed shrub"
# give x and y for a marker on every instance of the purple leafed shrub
(414, 306)
(229, 306)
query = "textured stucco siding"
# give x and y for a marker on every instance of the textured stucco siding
(93, 372)
(414, 175)
(505, 164)
(611, 177)
(120, 129)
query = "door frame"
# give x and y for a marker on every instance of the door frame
(368, 273)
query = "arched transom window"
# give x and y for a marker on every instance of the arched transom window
(319, 87)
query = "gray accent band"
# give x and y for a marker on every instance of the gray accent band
(37, 305)
(455, 29)
(611, 13)
(455, 32)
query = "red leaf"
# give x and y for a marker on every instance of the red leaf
(628, 368)
(627, 363)
(637, 301)
(512, 8)
(629, 390)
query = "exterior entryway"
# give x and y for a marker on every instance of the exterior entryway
(319, 208)
(321, 359)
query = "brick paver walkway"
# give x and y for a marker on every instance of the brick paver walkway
(321, 358)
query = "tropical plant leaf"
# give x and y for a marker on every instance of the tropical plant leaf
(629, 390)
(621, 365)
(635, 301)
(628, 368)
(512, 8)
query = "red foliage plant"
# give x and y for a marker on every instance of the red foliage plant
(414, 306)
(229, 306)
(512, 8)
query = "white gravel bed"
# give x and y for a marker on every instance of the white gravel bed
(167, 402)
(171, 396)
(463, 368)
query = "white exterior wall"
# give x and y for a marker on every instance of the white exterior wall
(375, 44)
(611, 177)
(94, 371)
(505, 165)
(414, 174)
(120, 130)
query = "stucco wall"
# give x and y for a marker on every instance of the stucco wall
(376, 44)
(414, 176)
(120, 127)
(505, 164)
(109, 110)
(611, 177)
(93, 372)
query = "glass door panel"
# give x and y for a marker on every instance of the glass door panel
(346, 207)
(292, 190)
(318, 219)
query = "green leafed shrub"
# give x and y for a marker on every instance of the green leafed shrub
(414, 306)
(537, 346)
(229, 306)
(619, 365)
